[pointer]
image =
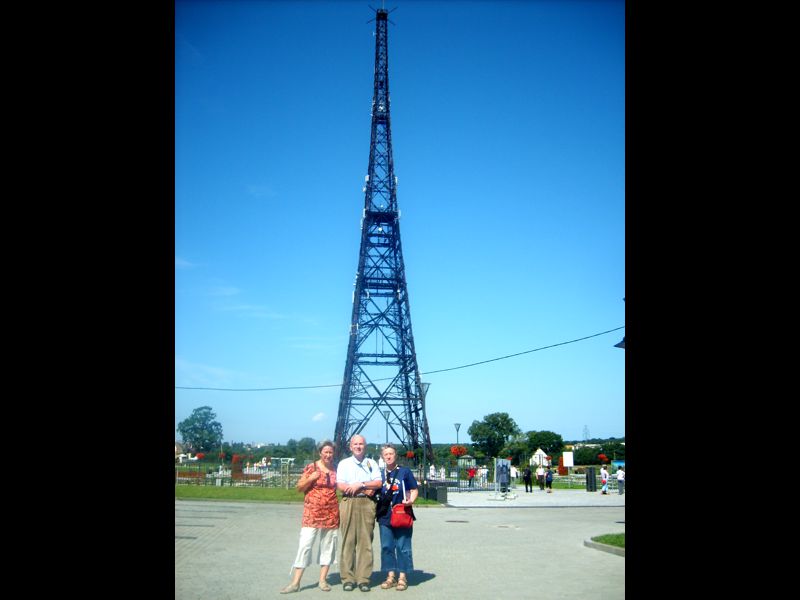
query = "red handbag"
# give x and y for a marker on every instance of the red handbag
(402, 516)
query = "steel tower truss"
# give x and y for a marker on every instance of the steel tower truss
(381, 375)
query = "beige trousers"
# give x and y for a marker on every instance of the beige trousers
(356, 528)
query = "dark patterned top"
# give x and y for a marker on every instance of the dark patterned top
(321, 506)
(395, 484)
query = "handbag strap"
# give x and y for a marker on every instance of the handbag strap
(394, 477)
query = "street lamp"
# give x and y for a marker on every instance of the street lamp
(458, 465)
(424, 474)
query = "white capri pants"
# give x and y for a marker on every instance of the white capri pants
(326, 550)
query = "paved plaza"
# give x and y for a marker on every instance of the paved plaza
(479, 545)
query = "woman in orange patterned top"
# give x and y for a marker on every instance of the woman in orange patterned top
(320, 517)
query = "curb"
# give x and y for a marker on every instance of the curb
(605, 548)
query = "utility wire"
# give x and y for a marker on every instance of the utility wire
(483, 362)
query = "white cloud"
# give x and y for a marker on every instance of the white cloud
(318, 417)
(181, 263)
(186, 49)
(253, 310)
(316, 343)
(224, 291)
(197, 375)
(260, 191)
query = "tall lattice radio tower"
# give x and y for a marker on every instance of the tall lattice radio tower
(381, 377)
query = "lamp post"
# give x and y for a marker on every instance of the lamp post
(458, 465)
(424, 474)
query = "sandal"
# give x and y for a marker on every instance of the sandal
(323, 585)
(402, 584)
(390, 582)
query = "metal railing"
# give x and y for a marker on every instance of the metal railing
(285, 476)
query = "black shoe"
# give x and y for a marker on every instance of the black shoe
(348, 587)
(363, 587)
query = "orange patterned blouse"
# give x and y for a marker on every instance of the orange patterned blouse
(321, 506)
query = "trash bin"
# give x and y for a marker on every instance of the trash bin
(591, 482)
(437, 492)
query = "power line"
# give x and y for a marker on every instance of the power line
(521, 353)
(482, 362)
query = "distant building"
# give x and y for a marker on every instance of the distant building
(539, 458)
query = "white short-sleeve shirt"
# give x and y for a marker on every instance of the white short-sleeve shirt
(352, 471)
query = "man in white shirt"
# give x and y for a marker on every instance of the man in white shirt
(621, 481)
(357, 478)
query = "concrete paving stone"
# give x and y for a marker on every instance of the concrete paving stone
(477, 546)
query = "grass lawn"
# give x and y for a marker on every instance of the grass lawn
(251, 494)
(246, 494)
(612, 539)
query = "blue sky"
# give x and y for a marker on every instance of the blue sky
(508, 133)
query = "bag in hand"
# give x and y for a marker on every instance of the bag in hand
(402, 516)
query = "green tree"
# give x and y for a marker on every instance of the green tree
(200, 431)
(493, 433)
(307, 449)
(441, 455)
(586, 456)
(517, 449)
(614, 450)
(550, 442)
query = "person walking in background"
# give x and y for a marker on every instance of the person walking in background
(471, 474)
(526, 477)
(548, 480)
(621, 480)
(320, 517)
(604, 479)
(399, 487)
(540, 476)
(358, 479)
